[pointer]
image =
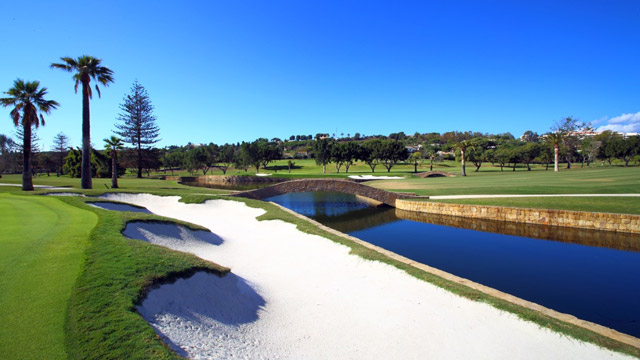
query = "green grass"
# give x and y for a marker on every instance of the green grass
(591, 180)
(101, 321)
(41, 256)
(622, 205)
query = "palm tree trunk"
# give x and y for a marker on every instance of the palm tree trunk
(27, 176)
(114, 170)
(85, 181)
(464, 172)
(555, 158)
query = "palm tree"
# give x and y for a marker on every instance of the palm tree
(113, 145)
(27, 99)
(555, 139)
(86, 68)
(463, 146)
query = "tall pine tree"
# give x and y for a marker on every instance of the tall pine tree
(138, 126)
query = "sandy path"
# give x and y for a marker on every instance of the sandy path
(295, 295)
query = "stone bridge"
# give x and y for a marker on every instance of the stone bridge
(342, 186)
(435, 173)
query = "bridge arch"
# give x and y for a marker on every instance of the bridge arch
(342, 186)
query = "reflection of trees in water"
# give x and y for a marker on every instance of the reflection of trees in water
(619, 241)
(359, 220)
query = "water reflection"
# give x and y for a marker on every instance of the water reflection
(590, 274)
(618, 241)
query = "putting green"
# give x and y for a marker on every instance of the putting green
(42, 248)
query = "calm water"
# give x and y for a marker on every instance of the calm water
(592, 275)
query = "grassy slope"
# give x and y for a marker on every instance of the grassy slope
(41, 256)
(103, 322)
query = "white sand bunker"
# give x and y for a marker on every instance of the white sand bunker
(322, 302)
(170, 235)
(107, 205)
(373, 177)
(65, 194)
(206, 309)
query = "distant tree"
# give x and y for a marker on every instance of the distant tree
(463, 146)
(225, 157)
(627, 148)
(345, 153)
(417, 158)
(371, 153)
(530, 136)
(290, 164)
(138, 126)
(392, 153)
(502, 155)
(432, 153)
(322, 152)
(113, 145)
(527, 152)
(73, 162)
(60, 147)
(172, 159)
(545, 155)
(7, 148)
(248, 156)
(607, 150)
(267, 152)
(27, 99)
(86, 68)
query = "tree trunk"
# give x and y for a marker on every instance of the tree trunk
(464, 172)
(324, 168)
(555, 158)
(431, 165)
(27, 176)
(139, 159)
(415, 166)
(114, 170)
(85, 181)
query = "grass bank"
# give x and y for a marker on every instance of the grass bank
(69, 281)
(43, 245)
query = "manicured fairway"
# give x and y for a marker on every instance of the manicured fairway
(41, 254)
(594, 180)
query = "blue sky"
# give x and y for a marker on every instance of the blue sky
(227, 71)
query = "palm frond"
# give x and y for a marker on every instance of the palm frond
(98, 90)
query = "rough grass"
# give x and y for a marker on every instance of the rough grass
(41, 256)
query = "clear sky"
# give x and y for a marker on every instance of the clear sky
(228, 71)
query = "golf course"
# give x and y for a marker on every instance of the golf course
(70, 280)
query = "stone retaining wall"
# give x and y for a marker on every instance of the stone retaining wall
(577, 219)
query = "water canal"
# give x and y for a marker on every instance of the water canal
(592, 275)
